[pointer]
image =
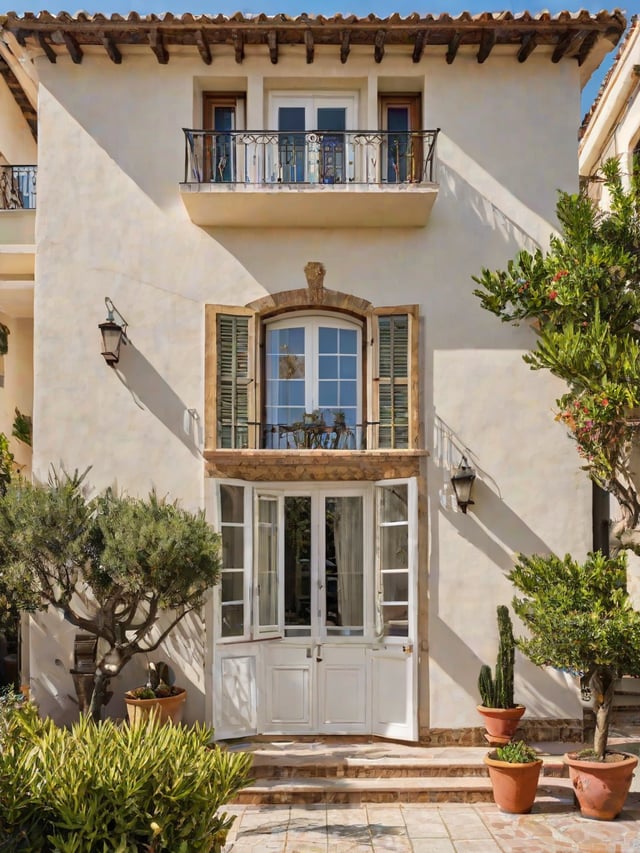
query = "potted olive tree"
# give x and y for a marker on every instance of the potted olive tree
(500, 713)
(580, 618)
(125, 570)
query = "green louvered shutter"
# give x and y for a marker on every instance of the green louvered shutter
(233, 381)
(393, 381)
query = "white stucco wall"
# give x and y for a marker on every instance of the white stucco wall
(18, 384)
(111, 156)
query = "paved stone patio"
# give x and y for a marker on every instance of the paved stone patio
(429, 828)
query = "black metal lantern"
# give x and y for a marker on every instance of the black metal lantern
(462, 482)
(113, 334)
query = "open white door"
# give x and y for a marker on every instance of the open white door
(394, 660)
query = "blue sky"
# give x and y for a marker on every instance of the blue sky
(331, 7)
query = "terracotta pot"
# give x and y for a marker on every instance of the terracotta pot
(601, 787)
(169, 708)
(514, 785)
(500, 723)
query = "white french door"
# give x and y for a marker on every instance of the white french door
(327, 642)
(312, 145)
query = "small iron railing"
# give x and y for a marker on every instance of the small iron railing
(260, 157)
(18, 187)
(295, 436)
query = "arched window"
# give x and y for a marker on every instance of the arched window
(313, 382)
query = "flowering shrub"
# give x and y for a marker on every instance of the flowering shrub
(582, 298)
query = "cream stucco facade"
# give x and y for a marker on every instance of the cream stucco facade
(112, 221)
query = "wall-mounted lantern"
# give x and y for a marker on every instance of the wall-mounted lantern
(114, 333)
(462, 482)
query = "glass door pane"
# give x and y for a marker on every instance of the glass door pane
(268, 621)
(297, 566)
(291, 146)
(223, 150)
(232, 580)
(343, 566)
(392, 509)
(332, 122)
(286, 388)
(398, 125)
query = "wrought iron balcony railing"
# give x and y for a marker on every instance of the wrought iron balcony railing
(18, 187)
(313, 435)
(262, 157)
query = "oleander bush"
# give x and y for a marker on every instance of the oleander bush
(112, 788)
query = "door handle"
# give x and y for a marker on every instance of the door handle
(408, 649)
(319, 653)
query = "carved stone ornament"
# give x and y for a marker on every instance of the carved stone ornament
(315, 273)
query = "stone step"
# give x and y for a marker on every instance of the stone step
(266, 767)
(464, 789)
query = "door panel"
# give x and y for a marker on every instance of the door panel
(288, 689)
(236, 692)
(392, 675)
(342, 690)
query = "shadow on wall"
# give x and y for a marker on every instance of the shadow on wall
(541, 691)
(150, 391)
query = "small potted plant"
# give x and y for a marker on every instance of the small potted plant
(157, 696)
(514, 770)
(580, 619)
(500, 713)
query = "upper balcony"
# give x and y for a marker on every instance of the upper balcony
(313, 179)
(17, 220)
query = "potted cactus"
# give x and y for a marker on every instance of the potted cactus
(157, 696)
(500, 713)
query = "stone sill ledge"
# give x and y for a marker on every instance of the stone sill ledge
(313, 465)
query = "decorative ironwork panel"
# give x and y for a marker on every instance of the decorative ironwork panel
(18, 187)
(261, 157)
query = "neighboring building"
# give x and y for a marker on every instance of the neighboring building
(306, 358)
(611, 128)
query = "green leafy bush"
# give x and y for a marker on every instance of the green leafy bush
(517, 752)
(99, 788)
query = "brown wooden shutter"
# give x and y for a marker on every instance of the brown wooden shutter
(395, 381)
(230, 377)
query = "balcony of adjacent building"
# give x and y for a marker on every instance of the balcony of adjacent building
(17, 225)
(311, 178)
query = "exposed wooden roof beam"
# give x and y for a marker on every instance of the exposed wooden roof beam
(586, 47)
(418, 45)
(238, 45)
(527, 46)
(487, 41)
(75, 51)
(378, 42)
(156, 42)
(308, 43)
(566, 43)
(203, 46)
(344, 46)
(112, 50)
(454, 44)
(272, 41)
(20, 97)
(44, 44)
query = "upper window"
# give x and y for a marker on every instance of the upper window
(313, 370)
(308, 381)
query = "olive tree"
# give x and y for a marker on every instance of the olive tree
(112, 565)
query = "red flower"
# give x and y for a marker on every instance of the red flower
(560, 274)
(553, 294)
(604, 401)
